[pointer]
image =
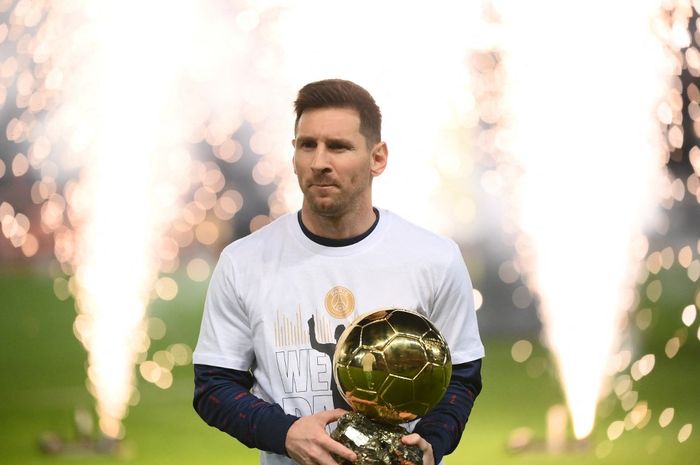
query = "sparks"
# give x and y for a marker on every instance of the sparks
(582, 133)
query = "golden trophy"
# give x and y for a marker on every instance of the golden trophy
(391, 366)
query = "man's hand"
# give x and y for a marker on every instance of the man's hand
(416, 439)
(308, 442)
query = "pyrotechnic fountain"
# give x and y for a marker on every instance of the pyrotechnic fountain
(586, 179)
(116, 95)
(113, 92)
(581, 148)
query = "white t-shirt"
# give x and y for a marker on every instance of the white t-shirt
(268, 285)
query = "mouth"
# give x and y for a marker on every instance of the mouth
(323, 188)
(323, 185)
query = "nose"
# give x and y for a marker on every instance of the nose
(321, 159)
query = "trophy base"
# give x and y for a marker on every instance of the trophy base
(374, 443)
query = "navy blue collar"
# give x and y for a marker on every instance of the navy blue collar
(328, 242)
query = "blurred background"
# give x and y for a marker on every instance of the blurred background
(556, 142)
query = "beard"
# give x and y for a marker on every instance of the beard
(338, 201)
(329, 206)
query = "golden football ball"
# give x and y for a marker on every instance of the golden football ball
(392, 365)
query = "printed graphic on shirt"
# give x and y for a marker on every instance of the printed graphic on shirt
(329, 350)
(306, 374)
(290, 331)
(305, 377)
(339, 302)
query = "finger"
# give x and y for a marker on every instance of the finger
(334, 447)
(329, 416)
(413, 439)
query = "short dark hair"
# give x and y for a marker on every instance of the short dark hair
(339, 93)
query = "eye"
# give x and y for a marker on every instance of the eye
(306, 144)
(338, 147)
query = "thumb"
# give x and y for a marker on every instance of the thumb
(410, 439)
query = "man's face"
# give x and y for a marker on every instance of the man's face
(333, 163)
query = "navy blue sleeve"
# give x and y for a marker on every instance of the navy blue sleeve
(222, 398)
(442, 427)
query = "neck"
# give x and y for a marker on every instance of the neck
(338, 227)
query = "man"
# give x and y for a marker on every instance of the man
(258, 373)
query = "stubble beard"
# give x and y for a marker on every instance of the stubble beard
(328, 206)
(335, 205)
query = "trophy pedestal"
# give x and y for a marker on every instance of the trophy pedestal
(374, 443)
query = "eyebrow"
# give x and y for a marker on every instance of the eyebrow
(329, 141)
(340, 141)
(304, 139)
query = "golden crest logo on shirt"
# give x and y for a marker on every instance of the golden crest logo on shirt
(339, 302)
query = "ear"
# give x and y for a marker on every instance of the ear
(294, 161)
(379, 158)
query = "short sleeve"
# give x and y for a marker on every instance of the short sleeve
(225, 337)
(453, 310)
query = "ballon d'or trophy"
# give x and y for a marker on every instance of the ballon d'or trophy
(391, 366)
